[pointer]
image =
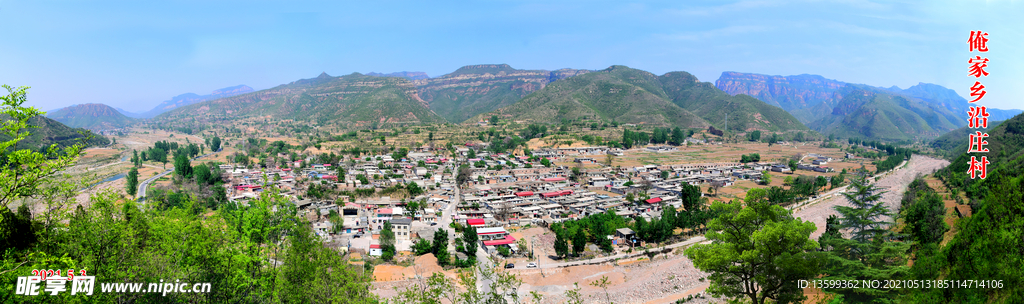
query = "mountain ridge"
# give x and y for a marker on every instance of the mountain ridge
(474, 89)
(626, 95)
(185, 99)
(819, 102)
(354, 99)
(92, 116)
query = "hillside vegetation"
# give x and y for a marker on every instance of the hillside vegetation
(476, 89)
(625, 95)
(867, 112)
(353, 100)
(833, 107)
(46, 132)
(92, 116)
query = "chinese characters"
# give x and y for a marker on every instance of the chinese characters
(978, 116)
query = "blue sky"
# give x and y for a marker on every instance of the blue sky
(134, 54)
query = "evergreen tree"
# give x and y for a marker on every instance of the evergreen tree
(215, 144)
(759, 252)
(440, 247)
(561, 246)
(677, 136)
(691, 197)
(182, 165)
(579, 242)
(387, 242)
(871, 253)
(132, 184)
(866, 216)
(470, 240)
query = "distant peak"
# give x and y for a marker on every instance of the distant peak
(324, 75)
(402, 74)
(235, 90)
(617, 67)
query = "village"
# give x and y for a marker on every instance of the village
(498, 192)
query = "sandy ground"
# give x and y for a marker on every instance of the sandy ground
(894, 184)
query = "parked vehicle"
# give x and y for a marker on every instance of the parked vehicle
(510, 265)
(531, 265)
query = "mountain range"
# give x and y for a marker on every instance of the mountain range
(736, 101)
(92, 116)
(923, 111)
(471, 93)
(355, 100)
(403, 74)
(628, 95)
(187, 99)
(475, 89)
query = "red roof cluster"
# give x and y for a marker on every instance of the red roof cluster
(508, 240)
(556, 193)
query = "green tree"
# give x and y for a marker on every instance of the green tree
(414, 189)
(579, 242)
(387, 242)
(925, 217)
(754, 135)
(820, 182)
(182, 165)
(470, 239)
(766, 177)
(545, 162)
(792, 165)
(204, 175)
(215, 144)
(440, 247)
(691, 197)
(305, 255)
(24, 171)
(421, 247)
(677, 137)
(135, 158)
(869, 254)
(132, 184)
(865, 217)
(561, 246)
(759, 252)
(158, 155)
(504, 251)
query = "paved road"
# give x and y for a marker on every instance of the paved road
(446, 217)
(142, 186)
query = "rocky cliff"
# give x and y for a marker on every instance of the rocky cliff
(476, 89)
(796, 94)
